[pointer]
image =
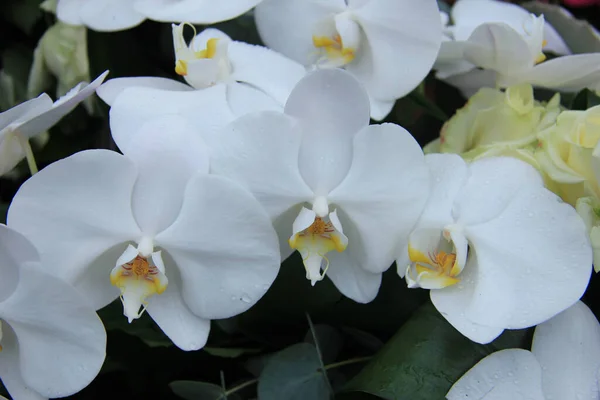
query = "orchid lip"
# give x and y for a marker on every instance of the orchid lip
(323, 235)
(138, 274)
(436, 258)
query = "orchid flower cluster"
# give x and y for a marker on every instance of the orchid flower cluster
(258, 152)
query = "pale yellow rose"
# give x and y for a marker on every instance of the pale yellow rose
(566, 153)
(492, 117)
(62, 53)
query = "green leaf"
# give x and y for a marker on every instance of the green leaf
(293, 374)
(22, 13)
(584, 99)
(424, 359)
(190, 390)
(364, 339)
(285, 304)
(144, 328)
(232, 352)
(3, 212)
(330, 341)
(443, 6)
(420, 99)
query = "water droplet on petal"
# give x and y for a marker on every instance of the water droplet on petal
(245, 298)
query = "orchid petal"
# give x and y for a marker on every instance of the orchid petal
(10, 370)
(282, 225)
(193, 11)
(374, 194)
(288, 26)
(61, 107)
(568, 348)
(528, 270)
(500, 48)
(206, 109)
(94, 281)
(109, 15)
(225, 266)
(351, 279)
(492, 184)
(260, 151)
(67, 11)
(169, 311)
(568, 73)
(505, 374)
(25, 111)
(245, 99)
(380, 108)
(471, 81)
(453, 300)
(158, 192)
(109, 90)
(77, 208)
(11, 151)
(391, 37)
(15, 250)
(264, 69)
(449, 172)
(61, 340)
(332, 107)
(471, 14)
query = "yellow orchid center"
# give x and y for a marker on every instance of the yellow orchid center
(181, 66)
(314, 242)
(541, 57)
(210, 50)
(435, 270)
(334, 48)
(138, 280)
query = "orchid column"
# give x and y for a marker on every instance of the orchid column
(341, 192)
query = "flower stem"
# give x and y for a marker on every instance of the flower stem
(349, 362)
(24, 142)
(320, 355)
(240, 386)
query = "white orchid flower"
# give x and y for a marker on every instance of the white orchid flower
(509, 44)
(388, 45)
(153, 228)
(52, 344)
(563, 364)
(116, 15)
(341, 192)
(34, 117)
(497, 249)
(226, 79)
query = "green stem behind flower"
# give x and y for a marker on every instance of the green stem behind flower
(24, 142)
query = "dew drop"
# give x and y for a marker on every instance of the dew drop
(245, 298)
